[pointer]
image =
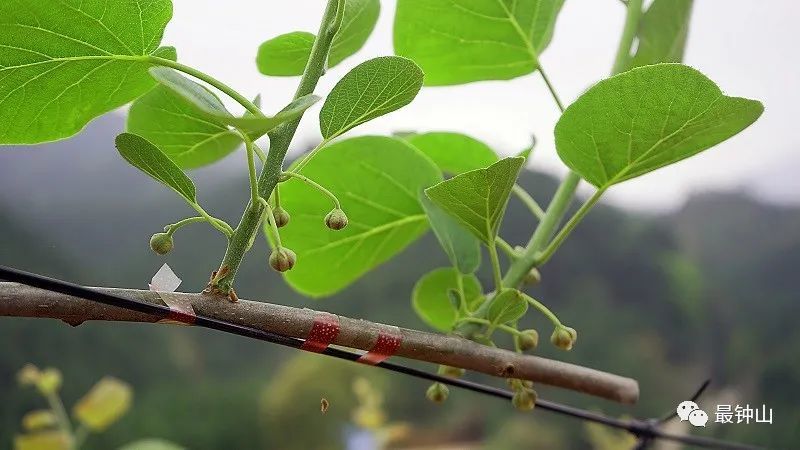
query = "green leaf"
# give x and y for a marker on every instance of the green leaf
(462, 248)
(506, 307)
(662, 33)
(143, 155)
(454, 153)
(287, 54)
(378, 181)
(360, 17)
(430, 299)
(647, 118)
(187, 135)
(63, 63)
(478, 198)
(461, 41)
(209, 104)
(372, 89)
(151, 444)
(104, 404)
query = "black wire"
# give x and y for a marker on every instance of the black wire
(636, 427)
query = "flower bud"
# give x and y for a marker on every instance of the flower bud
(437, 393)
(524, 399)
(161, 243)
(336, 219)
(533, 276)
(49, 381)
(564, 337)
(28, 375)
(282, 259)
(527, 340)
(281, 217)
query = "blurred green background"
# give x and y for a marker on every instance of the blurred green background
(669, 299)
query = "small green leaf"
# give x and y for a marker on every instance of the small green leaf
(63, 63)
(187, 135)
(662, 33)
(454, 153)
(430, 299)
(508, 306)
(210, 104)
(647, 118)
(372, 89)
(378, 181)
(287, 54)
(151, 444)
(459, 244)
(478, 198)
(461, 41)
(143, 155)
(104, 404)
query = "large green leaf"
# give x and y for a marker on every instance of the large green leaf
(647, 118)
(143, 155)
(287, 54)
(372, 89)
(63, 63)
(462, 247)
(478, 198)
(378, 181)
(209, 104)
(454, 152)
(662, 33)
(187, 135)
(430, 296)
(459, 41)
(506, 307)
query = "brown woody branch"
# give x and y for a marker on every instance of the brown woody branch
(17, 300)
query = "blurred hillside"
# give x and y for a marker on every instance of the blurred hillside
(670, 300)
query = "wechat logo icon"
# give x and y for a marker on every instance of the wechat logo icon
(689, 410)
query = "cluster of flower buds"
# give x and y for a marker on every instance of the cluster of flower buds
(564, 337)
(524, 396)
(47, 381)
(437, 393)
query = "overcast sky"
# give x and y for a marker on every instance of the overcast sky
(749, 47)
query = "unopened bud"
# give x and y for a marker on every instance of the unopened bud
(524, 399)
(336, 219)
(281, 217)
(161, 243)
(533, 276)
(437, 393)
(452, 372)
(564, 337)
(282, 259)
(28, 375)
(528, 340)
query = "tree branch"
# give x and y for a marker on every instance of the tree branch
(17, 300)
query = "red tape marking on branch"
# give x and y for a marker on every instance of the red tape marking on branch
(386, 345)
(323, 331)
(180, 309)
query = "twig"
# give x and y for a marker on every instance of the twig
(24, 301)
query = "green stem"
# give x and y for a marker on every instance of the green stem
(550, 87)
(475, 320)
(498, 277)
(313, 184)
(280, 139)
(299, 166)
(551, 248)
(80, 436)
(219, 224)
(229, 91)
(632, 16)
(251, 167)
(529, 201)
(543, 309)
(510, 330)
(173, 227)
(57, 406)
(507, 248)
(555, 212)
(270, 222)
(462, 298)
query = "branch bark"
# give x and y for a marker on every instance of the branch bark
(17, 300)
